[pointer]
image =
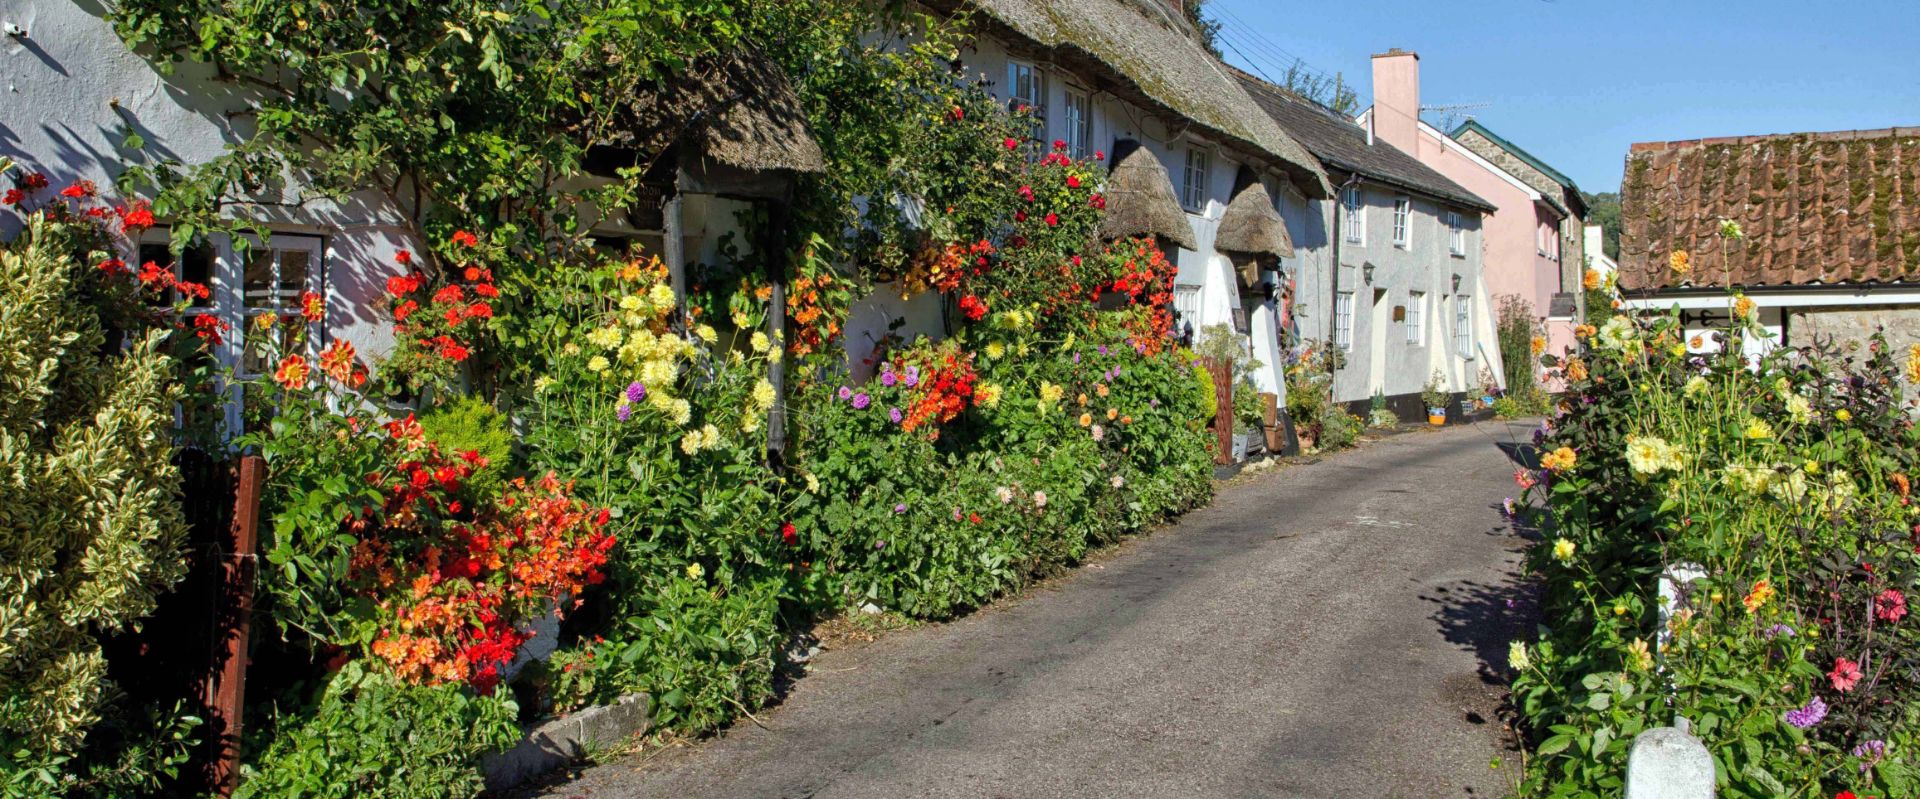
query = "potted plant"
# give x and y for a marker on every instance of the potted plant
(1378, 415)
(1435, 399)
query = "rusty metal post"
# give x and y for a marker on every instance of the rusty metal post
(232, 622)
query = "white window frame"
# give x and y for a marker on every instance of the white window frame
(1456, 235)
(1343, 320)
(1463, 326)
(1027, 84)
(1417, 318)
(1403, 222)
(1354, 221)
(228, 300)
(1193, 183)
(1077, 118)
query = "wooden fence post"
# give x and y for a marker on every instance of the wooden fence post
(232, 623)
(1223, 410)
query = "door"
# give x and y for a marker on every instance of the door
(1377, 325)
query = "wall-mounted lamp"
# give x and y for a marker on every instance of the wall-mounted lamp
(1456, 284)
(1367, 273)
(14, 30)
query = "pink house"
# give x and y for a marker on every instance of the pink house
(1521, 240)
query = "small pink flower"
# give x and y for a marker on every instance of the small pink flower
(1890, 606)
(1845, 674)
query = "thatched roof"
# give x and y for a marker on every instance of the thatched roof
(1145, 54)
(1251, 226)
(1140, 199)
(736, 109)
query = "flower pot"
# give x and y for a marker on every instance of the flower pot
(1436, 416)
(1276, 437)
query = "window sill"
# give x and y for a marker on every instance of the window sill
(1460, 255)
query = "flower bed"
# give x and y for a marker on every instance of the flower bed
(1784, 482)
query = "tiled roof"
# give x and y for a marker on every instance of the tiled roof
(1342, 145)
(1153, 61)
(1815, 208)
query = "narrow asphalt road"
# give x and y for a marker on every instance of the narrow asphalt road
(1334, 629)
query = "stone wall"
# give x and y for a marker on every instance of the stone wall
(1857, 323)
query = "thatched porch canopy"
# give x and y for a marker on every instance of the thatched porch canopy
(1252, 227)
(1140, 199)
(732, 124)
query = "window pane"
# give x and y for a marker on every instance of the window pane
(293, 276)
(257, 280)
(196, 266)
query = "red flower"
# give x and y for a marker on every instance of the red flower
(113, 266)
(1097, 201)
(788, 534)
(404, 310)
(479, 310)
(210, 328)
(973, 518)
(1890, 606)
(959, 113)
(465, 239)
(449, 293)
(403, 284)
(313, 306)
(1073, 181)
(1019, 216)
(138, 218)
(1845, 674)
(472, 274)
(337, 361)
(35, 180)
(1053, 220)
(403, 258)
(973, 307)
(1011, 143)
(79, 189)
(14, 197)
(1059, 144)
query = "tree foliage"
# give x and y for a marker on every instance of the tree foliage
(1603, 209)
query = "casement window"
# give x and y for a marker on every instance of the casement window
(1186, 310)
(247, 280)
(1463, 326)
(1027, 88)
(1403, 222)
(1354, 221)
(1456, 234)
(1193, 191)
(1540, 240)
(1417, 318)
(1343, 320)
(1078, 118)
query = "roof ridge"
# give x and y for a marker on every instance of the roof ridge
(1826, 135)
(1518, 151)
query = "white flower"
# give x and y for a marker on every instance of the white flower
(1039, 499)
(1117, 481)
(1517, 656)
(1005, 494)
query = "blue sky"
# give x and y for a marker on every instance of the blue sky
(1576, 81)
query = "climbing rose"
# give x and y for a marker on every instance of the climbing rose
(1010, 143)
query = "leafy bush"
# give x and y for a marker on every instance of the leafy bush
(1521, 343)
(1785, 485)
(368, 734)
(470, 424)
(91, 530)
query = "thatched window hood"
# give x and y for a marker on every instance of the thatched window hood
(731, 123)
(1250, 225)
(1140, 198)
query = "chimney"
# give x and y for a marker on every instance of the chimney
(1396, 99)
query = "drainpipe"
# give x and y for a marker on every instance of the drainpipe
(1339, 207)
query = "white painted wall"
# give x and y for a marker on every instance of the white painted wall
(71, 91)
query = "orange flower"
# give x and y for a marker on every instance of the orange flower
(313, 306)
(292, 372)
(1591, 280)
(1758, 597)
(337, 361)
(1680, 261)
